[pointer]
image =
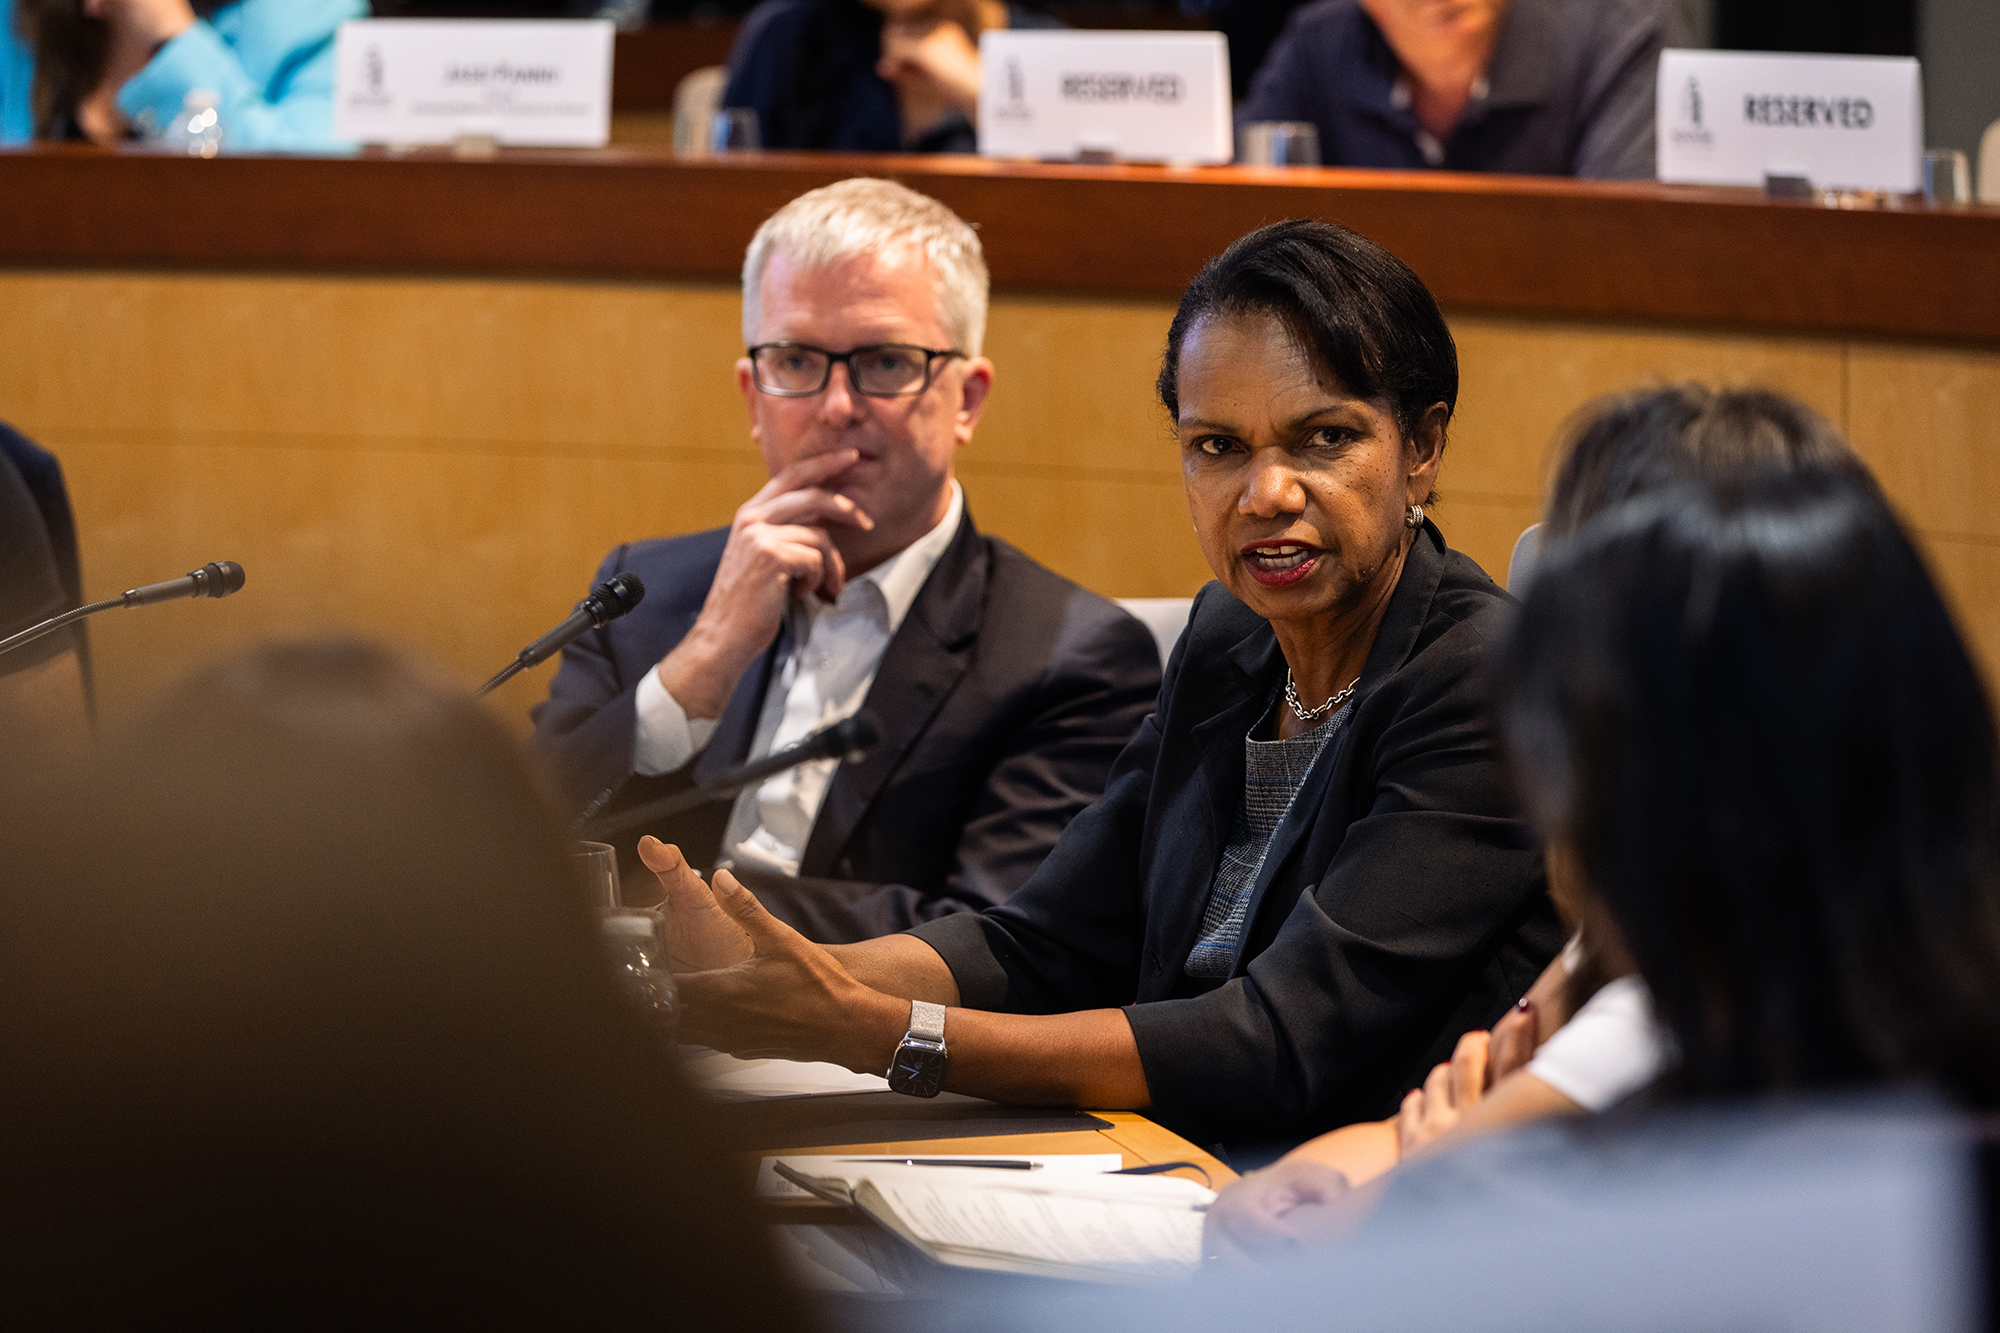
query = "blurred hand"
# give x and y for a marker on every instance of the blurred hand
(700, 934)
(1281, 1210)
(152, 22)
(1450, 1090)
(1514, 1040)
(1480, 1060)
(778, 545)
(935, 68)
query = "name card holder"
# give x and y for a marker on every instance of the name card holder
(529, 82)
(1104, 96)
(1839, 122)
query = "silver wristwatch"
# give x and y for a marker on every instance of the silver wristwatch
(918, 1069)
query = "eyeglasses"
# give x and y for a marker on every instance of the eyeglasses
(886, 370)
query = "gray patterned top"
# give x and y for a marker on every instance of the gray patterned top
(1273, 772)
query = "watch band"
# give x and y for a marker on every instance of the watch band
(927, 1021)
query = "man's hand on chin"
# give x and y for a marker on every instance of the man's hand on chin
(777, 544)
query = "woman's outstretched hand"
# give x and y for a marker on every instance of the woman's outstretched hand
(1287, 1207)
(780, 994)
(700, 935)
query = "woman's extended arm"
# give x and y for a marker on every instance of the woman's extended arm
(757, 985)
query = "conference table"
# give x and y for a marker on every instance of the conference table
(838, 1250)
(491, 370)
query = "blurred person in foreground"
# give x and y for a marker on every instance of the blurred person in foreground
(304, 1018)
(1536, 87)
(108, 71)
(1307, 876)
(867, 76)
(1583, 1038)
(856, 578)
(1741, 715)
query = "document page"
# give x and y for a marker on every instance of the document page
(771, 1185)
(729, 1079)
(1144, 1225)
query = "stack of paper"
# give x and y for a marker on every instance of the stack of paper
(1103, 1228)
(727, 1078)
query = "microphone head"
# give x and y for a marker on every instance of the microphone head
(217, 578)
(613, 598)
(857, 735)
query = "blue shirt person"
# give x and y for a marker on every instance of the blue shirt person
(268, 62)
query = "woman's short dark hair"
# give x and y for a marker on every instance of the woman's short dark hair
(70, 50)
(1364, 316)
(1743, 707)
(1626, 444)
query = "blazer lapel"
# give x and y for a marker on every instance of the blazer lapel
(930, 652)
(1219, 741)
(1395, 640)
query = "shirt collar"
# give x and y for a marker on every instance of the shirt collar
(1524, 62)
(901, 577)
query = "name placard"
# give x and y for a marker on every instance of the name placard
(1135, 96)
(426, 81)
(1843, 122)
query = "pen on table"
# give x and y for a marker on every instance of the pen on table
(998, 1163)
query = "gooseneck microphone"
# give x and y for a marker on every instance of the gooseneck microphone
(217, 578)
(607, 601)
(848, 740)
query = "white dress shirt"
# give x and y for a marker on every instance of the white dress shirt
(836, 649)
(1609, 1049)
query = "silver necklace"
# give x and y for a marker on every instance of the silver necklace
(1305, 714)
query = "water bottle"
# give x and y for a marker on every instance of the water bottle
(197, 130)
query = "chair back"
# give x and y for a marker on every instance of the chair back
(1521, 564)
(1165, 616)
(1989, 164)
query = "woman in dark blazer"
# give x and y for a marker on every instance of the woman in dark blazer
(1307, 875)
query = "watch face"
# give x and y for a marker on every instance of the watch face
(919, 1069)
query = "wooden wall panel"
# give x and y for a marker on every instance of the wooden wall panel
(1928, 421)
(442, 462)
(1549, 248)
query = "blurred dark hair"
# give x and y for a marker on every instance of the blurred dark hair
(311, 1019)
(70, 52)
(1363, 315)
(1626, 444)
(1743, 707)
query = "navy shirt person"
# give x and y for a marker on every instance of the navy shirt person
(1536, 87)
(881, 77)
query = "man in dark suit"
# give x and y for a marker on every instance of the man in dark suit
(855, 576)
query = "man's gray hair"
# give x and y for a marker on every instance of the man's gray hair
(865, 216)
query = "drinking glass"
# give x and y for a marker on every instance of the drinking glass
(1281, 143)
(1947, 177)
(597, 862)
(636, 938)
(734, 129)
